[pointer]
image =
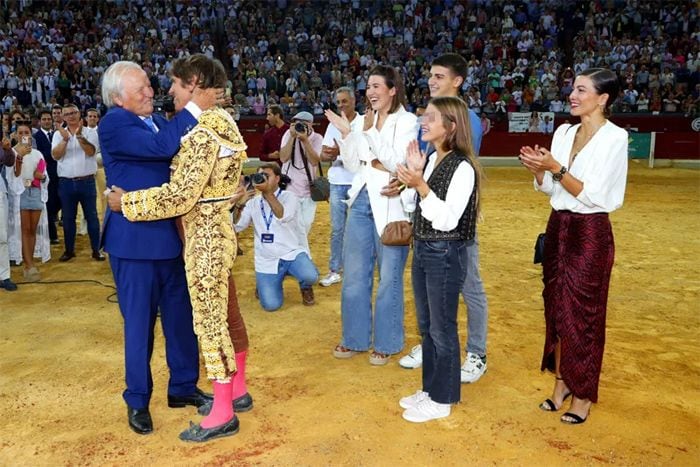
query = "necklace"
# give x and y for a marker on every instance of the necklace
(585, 142)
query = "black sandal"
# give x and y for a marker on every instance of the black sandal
(549, 406)
(575, 419)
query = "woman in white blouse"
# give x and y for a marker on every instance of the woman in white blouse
(584, 174)
(373, 154)
(444, 224)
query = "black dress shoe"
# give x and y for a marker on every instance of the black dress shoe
(96, 255)
(140, 420)
(67, 255)
(241, 404)
(198, 399)
(197, 434)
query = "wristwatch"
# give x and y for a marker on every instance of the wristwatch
(558, 175)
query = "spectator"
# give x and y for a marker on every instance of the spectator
(340, 180)
(75, 152)
(30, 168)
(272, 139)
(43, 138)
(7, 162)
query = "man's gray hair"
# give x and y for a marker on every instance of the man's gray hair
(346, 89)
(112, 80)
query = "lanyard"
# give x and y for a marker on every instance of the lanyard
(268, 219)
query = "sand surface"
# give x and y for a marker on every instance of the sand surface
(61, 370)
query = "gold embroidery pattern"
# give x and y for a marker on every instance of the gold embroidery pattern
(210, 244)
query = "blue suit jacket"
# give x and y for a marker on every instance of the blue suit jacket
(43, 145)
(136, 158)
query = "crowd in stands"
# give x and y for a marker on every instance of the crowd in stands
(522, 55)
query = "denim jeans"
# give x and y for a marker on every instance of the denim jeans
(339, 210)
(361, 249)
(84, 192)
(438, 273)
(475, 298)
(270, 285)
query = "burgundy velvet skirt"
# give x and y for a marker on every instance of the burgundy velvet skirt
(578, 258)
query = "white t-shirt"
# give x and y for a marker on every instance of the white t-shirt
(338, 174)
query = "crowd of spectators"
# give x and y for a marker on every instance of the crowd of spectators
(522, 55)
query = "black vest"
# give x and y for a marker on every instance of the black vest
(439, 182)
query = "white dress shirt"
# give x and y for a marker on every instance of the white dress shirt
(601, 165)
(444, 214)
(75, 163)
(288, 232)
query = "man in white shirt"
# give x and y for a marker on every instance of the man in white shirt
(74, 148)
(340, 180)
(280, 240)
(92, 117)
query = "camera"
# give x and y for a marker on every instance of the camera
(164, 104)
(258, 178)
(301, 127)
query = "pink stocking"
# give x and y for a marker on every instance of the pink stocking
(239, 386)
(222, 409)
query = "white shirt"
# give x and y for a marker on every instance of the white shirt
(338, 174)
(601, 166)
(75, 163)
(288, 232)
(444, 214)
(389, 147)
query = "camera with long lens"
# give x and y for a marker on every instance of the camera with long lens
(164, 104)
(301, 127)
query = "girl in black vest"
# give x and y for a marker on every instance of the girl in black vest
(444, 193)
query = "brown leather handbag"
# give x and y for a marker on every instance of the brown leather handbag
(397, 233)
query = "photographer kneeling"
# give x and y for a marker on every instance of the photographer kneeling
(280, 240)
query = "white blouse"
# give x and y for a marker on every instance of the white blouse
(387, 145)
(601, 165)
(444, 214)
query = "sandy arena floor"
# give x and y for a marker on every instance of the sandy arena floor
(61, 371)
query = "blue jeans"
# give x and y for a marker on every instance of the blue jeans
(438, 273)
(270, 285)
(339, 210)
(84, 192)
(361, 249)
(475, 298)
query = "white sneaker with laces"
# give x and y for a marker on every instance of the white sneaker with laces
(331, 278)
(414, 359)
(427, 410)
(474, 367)
(413, 400)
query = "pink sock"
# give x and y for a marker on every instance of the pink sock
(222, 409)
(239, 386)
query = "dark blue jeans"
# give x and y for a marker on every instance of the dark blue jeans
(84, 192)
(439, 270)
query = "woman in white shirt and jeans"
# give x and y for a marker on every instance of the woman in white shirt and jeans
(444, 224)
(584, 174)
(373, 154)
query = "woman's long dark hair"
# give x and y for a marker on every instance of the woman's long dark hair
(392, 79)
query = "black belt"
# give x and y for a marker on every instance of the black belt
(77, 179)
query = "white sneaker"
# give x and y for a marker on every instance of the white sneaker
(414, 359)
(331, 278)
(474, 367)
(427, 410)
(413, 400)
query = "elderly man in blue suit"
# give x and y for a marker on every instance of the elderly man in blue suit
(146, 257)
